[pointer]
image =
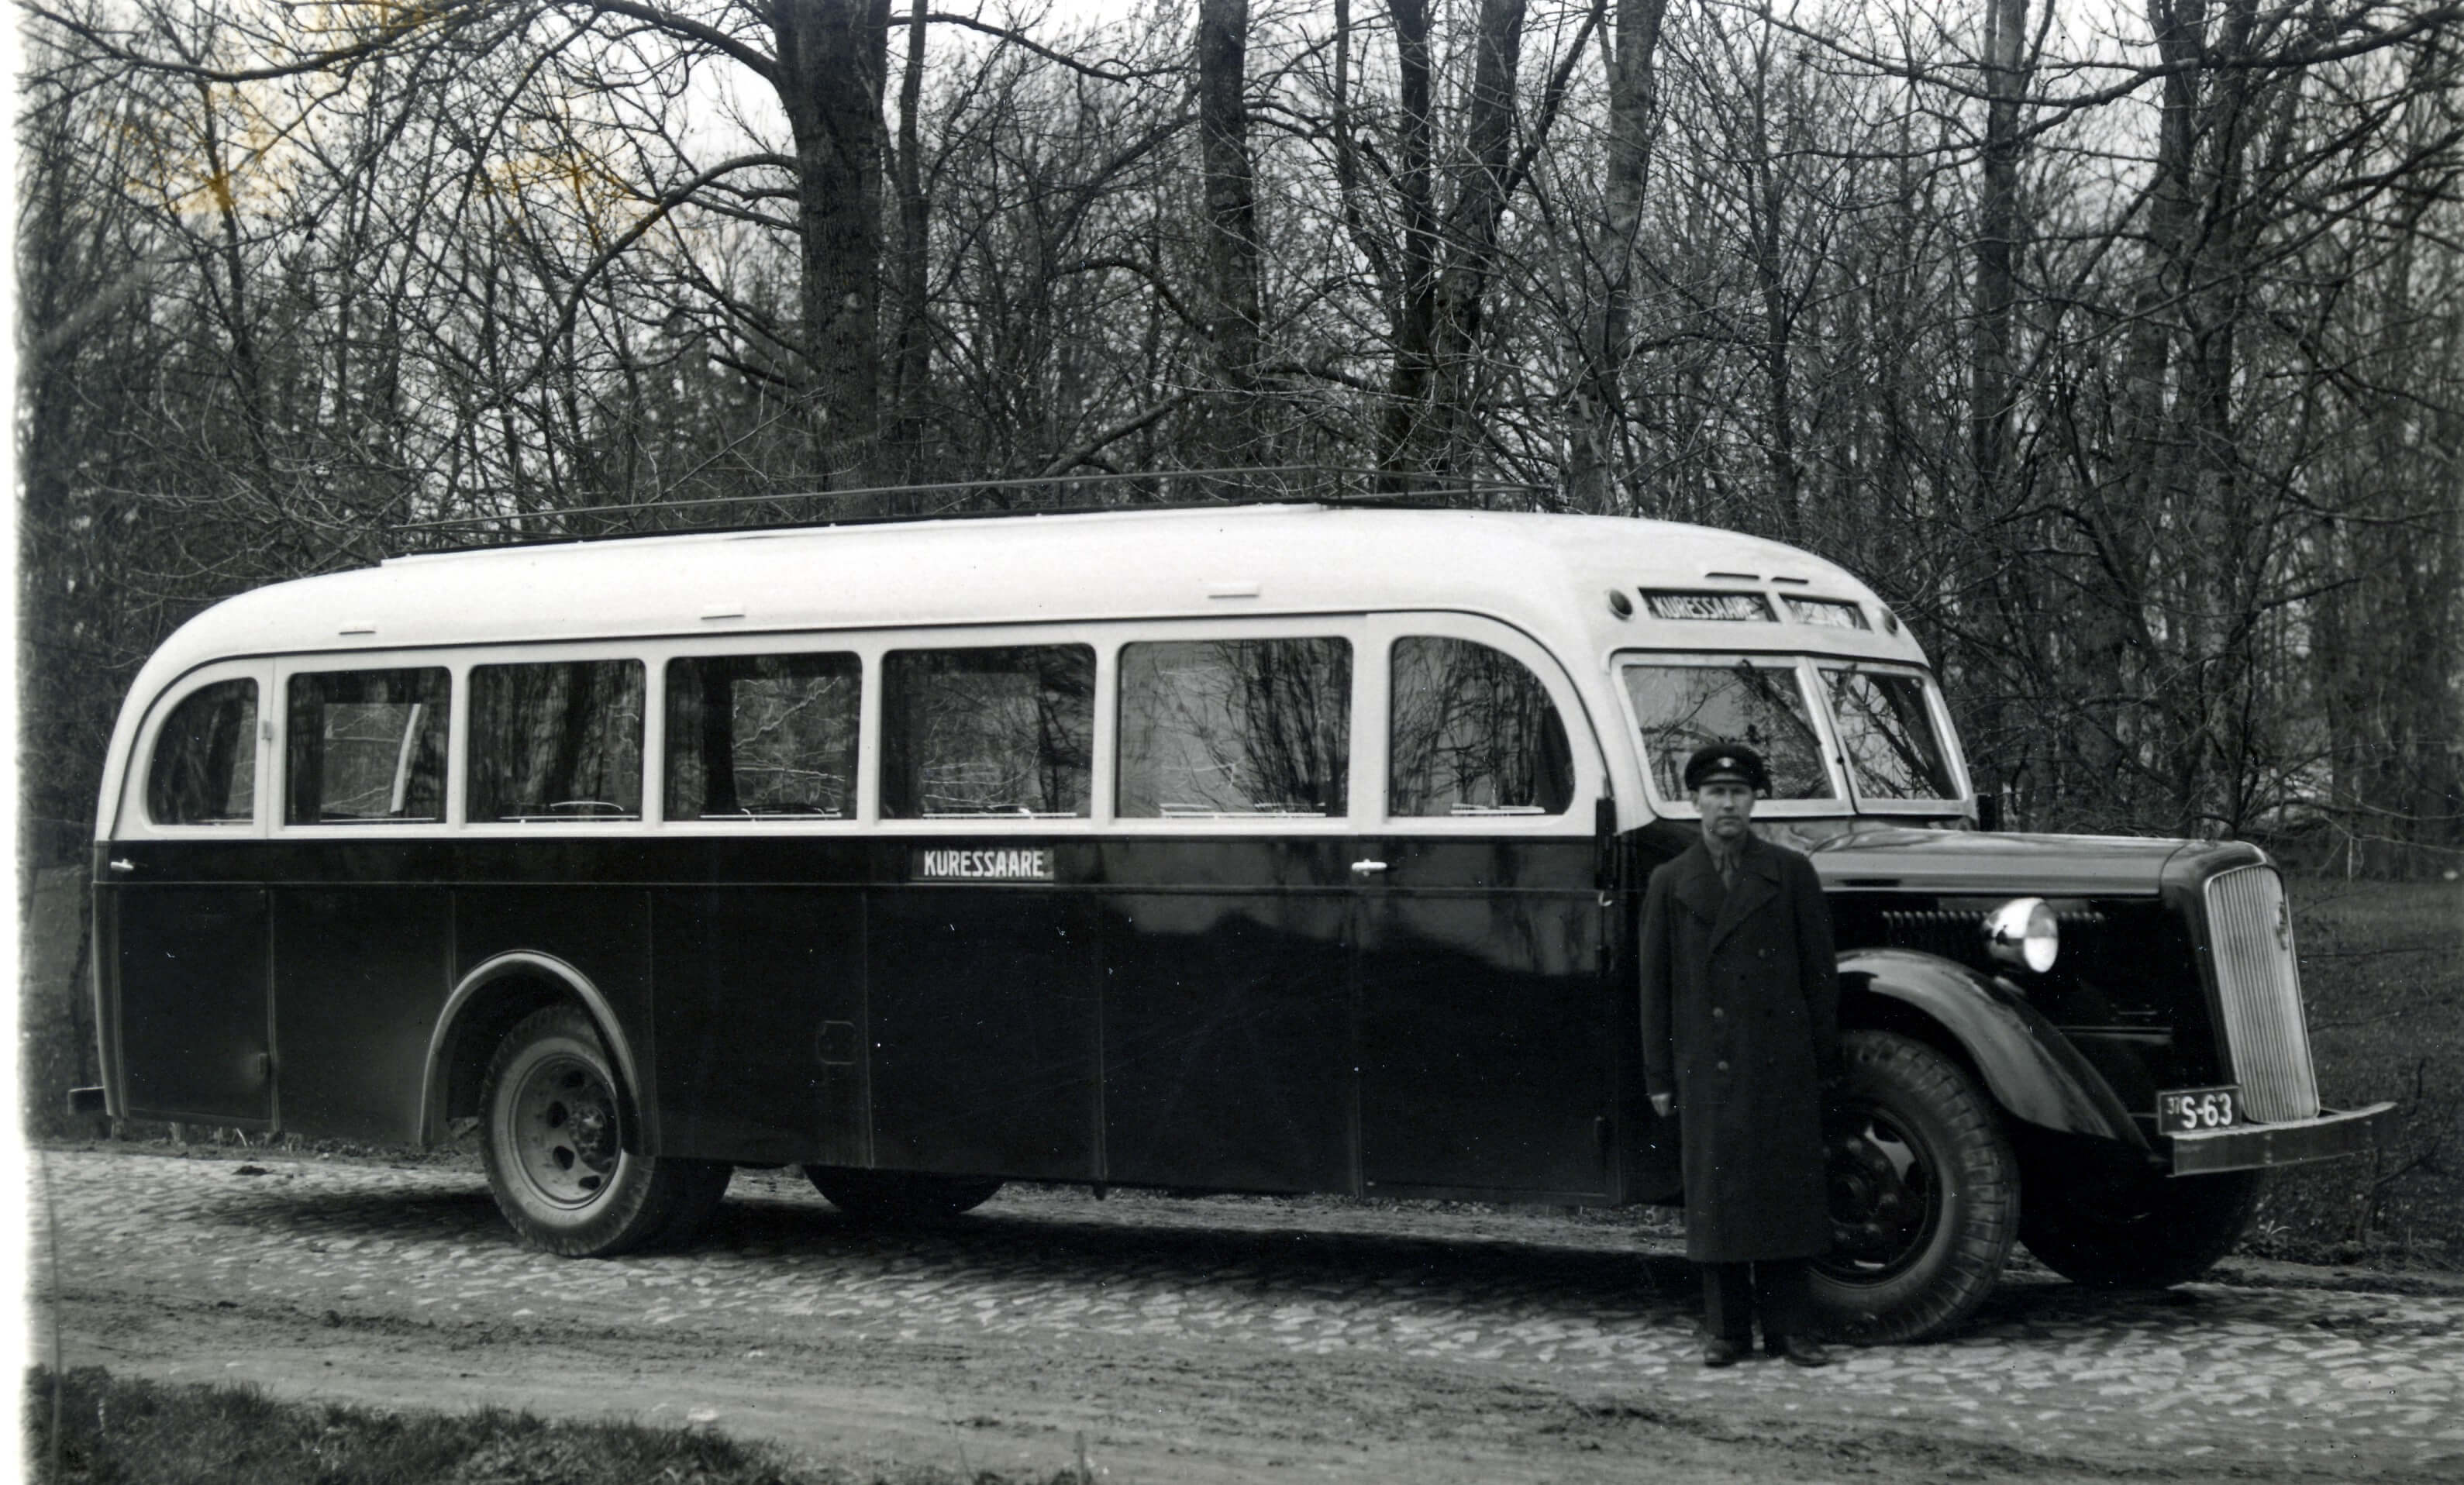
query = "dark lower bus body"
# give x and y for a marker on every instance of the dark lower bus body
(1211, 1014)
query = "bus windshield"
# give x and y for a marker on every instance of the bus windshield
(1886, 735)
(1885, 729)
(1760, 703)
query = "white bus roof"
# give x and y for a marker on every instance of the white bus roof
(1558, 578)
(1548, 575)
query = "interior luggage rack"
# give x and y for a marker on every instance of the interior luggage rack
(1068, 494)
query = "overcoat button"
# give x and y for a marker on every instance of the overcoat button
(1723, 1067)
(1716, 1010)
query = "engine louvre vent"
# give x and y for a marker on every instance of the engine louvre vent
(2259, 983)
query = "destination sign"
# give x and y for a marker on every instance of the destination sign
(1830, 613)
(1030, 864)
(1729, 607)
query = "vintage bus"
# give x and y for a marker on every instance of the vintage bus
(1252, 848)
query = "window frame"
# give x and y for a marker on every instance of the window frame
(1818, 710)
(1937, 713)
(974, 643)
(134, 809)
(863, 808)
(1110, 638)
(1582, 735)
(454, 664)
(457, 787)
(1223, 631)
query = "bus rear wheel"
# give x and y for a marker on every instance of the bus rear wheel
(555, 1149)
(2136, 1230)
(1924, 1193)
(900, 1195)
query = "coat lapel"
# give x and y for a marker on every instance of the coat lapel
(1698, 883)
(1757, 883)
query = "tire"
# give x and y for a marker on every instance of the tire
(553, 1142)
(2136, 1230)
(900, 1195)
(1924, 1191)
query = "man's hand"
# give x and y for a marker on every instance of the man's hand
(1662, 1104)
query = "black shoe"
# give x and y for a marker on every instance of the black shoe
(1720, 1351)
(1799, 1350)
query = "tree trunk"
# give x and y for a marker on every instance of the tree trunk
(1233, 426)
(1413, 311)
(1599, 412)
(1766, 208)
(914, 349)
(1472, 222)
(1997, 231)
(832, 61)
(2120, 511)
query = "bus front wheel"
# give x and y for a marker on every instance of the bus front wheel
(899, 1195)
(1924, 1193)
(554, 1148)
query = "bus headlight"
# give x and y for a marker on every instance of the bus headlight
(2023, 933)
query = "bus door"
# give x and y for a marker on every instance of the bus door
(981, 1008)
(183, 915)
(1489, 1032)
(1227, 955)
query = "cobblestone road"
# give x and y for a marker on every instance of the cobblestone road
(1592, 1307)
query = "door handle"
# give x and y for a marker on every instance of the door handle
(1366, 868)
(122, 865)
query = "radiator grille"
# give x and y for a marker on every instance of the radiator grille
(2261, 989)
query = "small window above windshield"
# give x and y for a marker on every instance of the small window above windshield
(1826, 613)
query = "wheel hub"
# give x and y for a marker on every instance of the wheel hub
(565, 1131)
(1885, 1202)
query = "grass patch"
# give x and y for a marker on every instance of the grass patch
(2382, 975)
(124, 1432)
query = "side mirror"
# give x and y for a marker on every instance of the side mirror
(1989, 811)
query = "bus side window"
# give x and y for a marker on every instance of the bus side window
(1473, 733)
(762, 736)
(204, 770)
(557, 741)
(1235, 729)
(991, 734)
(367, 746)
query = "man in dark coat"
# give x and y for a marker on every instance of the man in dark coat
(1740, 1036)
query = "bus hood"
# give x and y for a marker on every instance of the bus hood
(1969, 863)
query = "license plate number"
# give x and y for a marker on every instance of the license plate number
(2187, 1110)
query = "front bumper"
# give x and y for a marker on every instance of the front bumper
(2334, 1133)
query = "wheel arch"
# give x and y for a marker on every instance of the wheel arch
(485, 1004)
(2027, 1067)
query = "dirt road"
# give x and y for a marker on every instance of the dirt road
(1212, 1340)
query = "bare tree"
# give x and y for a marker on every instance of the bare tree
(1231, 282)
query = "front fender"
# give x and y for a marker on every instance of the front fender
(2029, 1067)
